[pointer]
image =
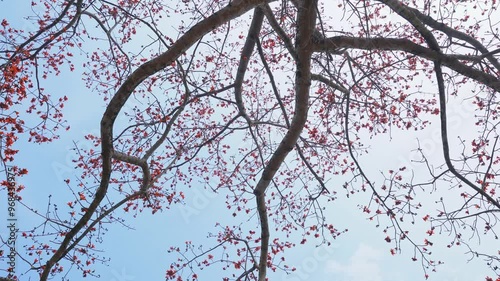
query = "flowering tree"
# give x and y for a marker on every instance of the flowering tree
(266, 102)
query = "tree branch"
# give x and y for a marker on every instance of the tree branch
(233, 10)
(405, 45)
(306, 21)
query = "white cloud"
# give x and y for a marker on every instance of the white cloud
(364, 265)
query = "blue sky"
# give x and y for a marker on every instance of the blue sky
(141, 253)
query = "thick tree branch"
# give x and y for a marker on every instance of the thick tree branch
(451, 32)
(405, 45)
(233, 10)
(306, 21)
(246, 53)
(433, 44)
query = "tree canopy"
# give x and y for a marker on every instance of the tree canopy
(274, 105)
